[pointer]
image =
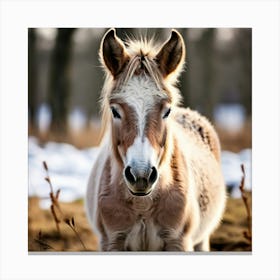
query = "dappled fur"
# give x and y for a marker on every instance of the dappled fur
(188, 199)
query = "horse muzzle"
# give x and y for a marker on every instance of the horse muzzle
(140, 183)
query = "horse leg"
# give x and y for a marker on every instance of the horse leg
(116, 241)
(103, 244)
(188, 244)
(203, 245)
(184, 244)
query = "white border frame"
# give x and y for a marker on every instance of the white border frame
(17, 16)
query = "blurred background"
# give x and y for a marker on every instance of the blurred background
(65, 79)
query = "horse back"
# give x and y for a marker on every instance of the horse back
(201, 128)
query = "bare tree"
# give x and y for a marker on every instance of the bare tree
(58, 93)
(206, 51)
(32, 78)
(244, 47)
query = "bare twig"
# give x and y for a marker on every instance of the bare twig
(71, 224)
(43, 245)
(56, 211)
(54, 199)
(247, 234)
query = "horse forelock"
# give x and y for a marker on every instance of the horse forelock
(142, 55)
(142, 64)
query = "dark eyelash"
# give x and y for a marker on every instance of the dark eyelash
(166, 113)
(116, 115)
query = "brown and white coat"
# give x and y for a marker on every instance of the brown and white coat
(157, 183)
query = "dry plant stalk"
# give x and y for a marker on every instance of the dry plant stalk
(42, 244)
(248, 233)
(55, 207)
(71, 224)
(56, 211)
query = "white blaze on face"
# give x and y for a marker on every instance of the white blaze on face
(141, 93)
(141, 155)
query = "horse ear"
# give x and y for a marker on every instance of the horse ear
(113, 53)
(172, 54)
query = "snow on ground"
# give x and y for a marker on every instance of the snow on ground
(231, 166)
(69, 169)
(230, 117)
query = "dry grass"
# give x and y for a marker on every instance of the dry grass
(58, 215)
(60, 218)
(56, 229)
(40, 221)
(228, 237)
(248, 232)
(235, 231)
(230, 234)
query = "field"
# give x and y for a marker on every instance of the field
(43, 234)
(74, 233)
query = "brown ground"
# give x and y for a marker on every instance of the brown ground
(44, 236)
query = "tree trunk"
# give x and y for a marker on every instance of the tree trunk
(206, 52)
(59, 91)
(32, 78)
(245, 52)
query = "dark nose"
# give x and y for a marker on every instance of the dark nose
(153, 175)
(141, 181)
(130, 177)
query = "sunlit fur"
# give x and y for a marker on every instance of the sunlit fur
(185, 203)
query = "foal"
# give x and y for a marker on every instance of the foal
(157, 183)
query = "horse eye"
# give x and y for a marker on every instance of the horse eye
(166, 114)
(115, 113)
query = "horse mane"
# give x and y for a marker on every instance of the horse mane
(142, 61)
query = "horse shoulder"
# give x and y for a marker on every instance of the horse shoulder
(201, 128)
(206, 190)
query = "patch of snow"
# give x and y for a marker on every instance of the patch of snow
(230, 117)
(231, 166)
(69, 170)
(77, 119)
(43, 117)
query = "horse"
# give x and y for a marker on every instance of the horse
(157, 183)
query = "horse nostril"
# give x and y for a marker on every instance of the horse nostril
(153, 175)
(129, 175)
